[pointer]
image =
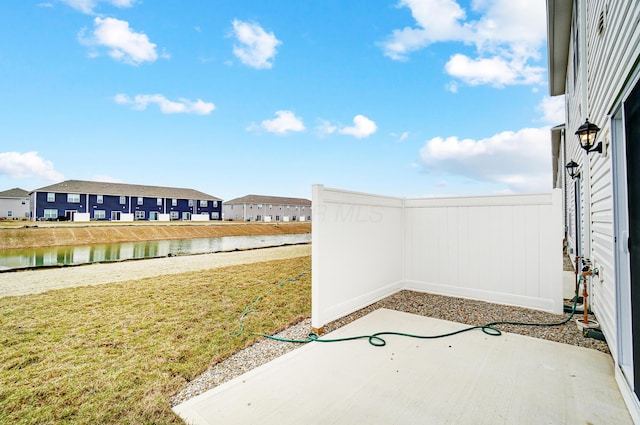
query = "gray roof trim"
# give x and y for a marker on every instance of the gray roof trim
(16, 192)
(274, 200)
(121, 189)
(559, 14)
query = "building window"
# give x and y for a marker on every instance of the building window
(175, 215)
(99, 214)
(203, 203)
(140, 200)
(99, 199)
(215, 204)
(174, 202)
(51, 197)
(215, 215)
(270, 207)
(140, 215)
(73, 198)
(123, 200)
(190, 202)
(259, 206)
(23, 201)
(9, 213)
(159, 202)
(50, 214)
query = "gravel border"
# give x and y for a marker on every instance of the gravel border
(459, 310)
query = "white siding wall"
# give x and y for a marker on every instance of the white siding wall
(17, 208)
(605, 67)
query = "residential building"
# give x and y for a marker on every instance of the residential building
(14, 204)
(267, 208)
(78, 200)
(594, 60)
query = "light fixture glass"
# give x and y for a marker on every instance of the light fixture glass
(572, 169)
(587, 134)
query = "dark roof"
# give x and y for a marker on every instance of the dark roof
(277, 200)
(121, 189)
(15, 193)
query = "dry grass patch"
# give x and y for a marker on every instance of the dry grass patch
(56, 234)
(116, 353)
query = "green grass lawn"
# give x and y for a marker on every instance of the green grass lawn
(116, 353)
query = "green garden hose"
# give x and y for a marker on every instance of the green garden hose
(250, 308)
(376, 338)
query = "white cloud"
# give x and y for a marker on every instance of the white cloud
(496, 71)
(362, 127)
(27, 165)
(518, 25)
(123, 44)
(325, 128)
(88, 6)
(518, 160)
(285, 123)
(400, 137)
(182, 106)
(437, 20)
(552, 109)
(256, 48)
(507, 36)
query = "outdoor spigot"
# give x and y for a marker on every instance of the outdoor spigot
(586, 271)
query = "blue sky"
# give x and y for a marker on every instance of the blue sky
(405, 98)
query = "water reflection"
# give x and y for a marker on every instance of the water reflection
(84, 254)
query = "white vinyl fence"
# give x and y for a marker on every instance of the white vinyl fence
(501, 249)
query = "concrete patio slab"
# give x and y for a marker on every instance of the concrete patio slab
(469, 378)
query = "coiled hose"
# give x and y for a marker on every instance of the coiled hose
(377, 340)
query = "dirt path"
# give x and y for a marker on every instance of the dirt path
(58, 234)
(37, 281)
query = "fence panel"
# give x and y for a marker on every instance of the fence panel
(501, 249)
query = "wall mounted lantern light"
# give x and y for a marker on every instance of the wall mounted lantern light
(587, 133)
(572, 169)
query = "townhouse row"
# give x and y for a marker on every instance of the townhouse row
(77, 200)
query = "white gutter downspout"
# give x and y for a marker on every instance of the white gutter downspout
(586, 182)
(32, 205)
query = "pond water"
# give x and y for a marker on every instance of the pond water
(84, 254)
